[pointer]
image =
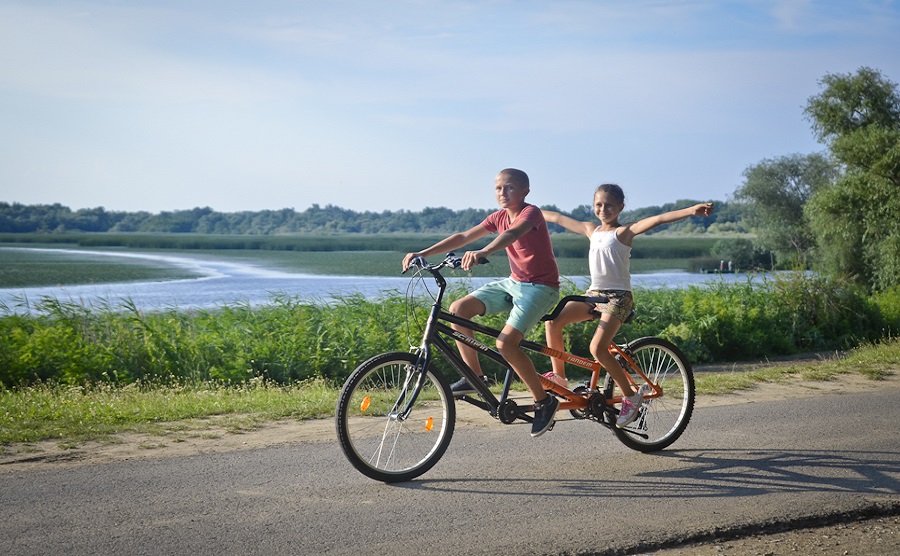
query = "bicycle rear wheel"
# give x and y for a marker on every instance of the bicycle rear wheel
(662, 420)
(380, 433)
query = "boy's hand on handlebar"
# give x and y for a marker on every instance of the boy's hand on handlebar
(472, 258)
(409, 259)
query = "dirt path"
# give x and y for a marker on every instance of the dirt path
(214, 435)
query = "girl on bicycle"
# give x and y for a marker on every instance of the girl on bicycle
(609, 262)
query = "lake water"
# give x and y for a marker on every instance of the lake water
(221, 282)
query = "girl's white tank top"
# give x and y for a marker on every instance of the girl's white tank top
(610, 262)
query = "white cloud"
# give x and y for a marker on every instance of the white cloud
(285, 103)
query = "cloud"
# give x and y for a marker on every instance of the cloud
(282, 103)
(114, 56)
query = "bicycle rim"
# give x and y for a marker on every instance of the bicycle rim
(378, 437)
(662, 420)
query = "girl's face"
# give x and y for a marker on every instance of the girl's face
(607, 208)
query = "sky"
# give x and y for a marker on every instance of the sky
(389, 105)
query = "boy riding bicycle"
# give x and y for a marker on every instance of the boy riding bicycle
(528, 293)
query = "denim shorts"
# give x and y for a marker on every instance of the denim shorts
(526, 302)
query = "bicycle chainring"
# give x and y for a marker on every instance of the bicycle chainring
(508, 412)
(580, 413)
(597, 406)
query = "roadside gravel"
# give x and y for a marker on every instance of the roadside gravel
(847, 536)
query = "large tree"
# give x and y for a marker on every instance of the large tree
(857, 219)
(775, 192)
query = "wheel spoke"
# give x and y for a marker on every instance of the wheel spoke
(663, 418)
(383, 433)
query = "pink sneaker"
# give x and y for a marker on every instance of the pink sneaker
(553, 377)
(631, 406)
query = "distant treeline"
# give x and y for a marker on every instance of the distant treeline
(56, 218)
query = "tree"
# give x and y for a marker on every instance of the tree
(775, 192)
(857, 219)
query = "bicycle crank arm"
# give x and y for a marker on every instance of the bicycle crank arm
(635, 433)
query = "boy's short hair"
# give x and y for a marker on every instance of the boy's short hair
(517, 176)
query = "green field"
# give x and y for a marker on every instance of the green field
(19, 268)
(333, 255)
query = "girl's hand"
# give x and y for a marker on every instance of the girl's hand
(703, 209)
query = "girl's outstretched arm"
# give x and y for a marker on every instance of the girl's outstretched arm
(569, 223)
(647, 224)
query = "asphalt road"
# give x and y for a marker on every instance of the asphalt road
(575, 490)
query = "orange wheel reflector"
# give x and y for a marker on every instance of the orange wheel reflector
(365, 403)
(429, 424)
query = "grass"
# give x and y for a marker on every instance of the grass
(873, 361)
(21, 268)
(80, 413)
(74, 414)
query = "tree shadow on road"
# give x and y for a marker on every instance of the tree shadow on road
(711, 473)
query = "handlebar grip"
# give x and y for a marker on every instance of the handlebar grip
(416, 261)
(455, 262)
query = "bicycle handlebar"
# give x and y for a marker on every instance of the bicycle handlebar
(450, 260)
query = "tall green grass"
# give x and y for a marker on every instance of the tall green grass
(288, 339)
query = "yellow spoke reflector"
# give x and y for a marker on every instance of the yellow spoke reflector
(429, 424)
(365, 403)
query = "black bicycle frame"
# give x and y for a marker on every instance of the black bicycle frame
(434, 327)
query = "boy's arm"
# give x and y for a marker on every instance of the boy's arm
(569, 223)
(501, 242)
(447, 244)
(647, 224)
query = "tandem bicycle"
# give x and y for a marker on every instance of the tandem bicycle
(396, 413)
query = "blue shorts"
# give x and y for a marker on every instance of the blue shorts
(526, 302)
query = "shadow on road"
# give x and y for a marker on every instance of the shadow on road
(712, 473)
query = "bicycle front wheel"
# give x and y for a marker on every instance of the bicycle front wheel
(388, 428)
(662, 420)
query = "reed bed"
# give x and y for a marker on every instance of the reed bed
(288, 339)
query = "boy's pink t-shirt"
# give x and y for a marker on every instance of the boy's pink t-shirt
(531, 257)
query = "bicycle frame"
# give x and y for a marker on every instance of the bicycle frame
(389, 436)
(435, 334)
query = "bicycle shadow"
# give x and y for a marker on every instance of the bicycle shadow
(710, 473)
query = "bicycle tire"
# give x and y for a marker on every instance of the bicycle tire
(379, 443)
(662, 420)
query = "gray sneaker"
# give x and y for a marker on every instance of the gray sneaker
(462, 387)
(544, 413)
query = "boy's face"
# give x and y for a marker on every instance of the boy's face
(510, 194)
